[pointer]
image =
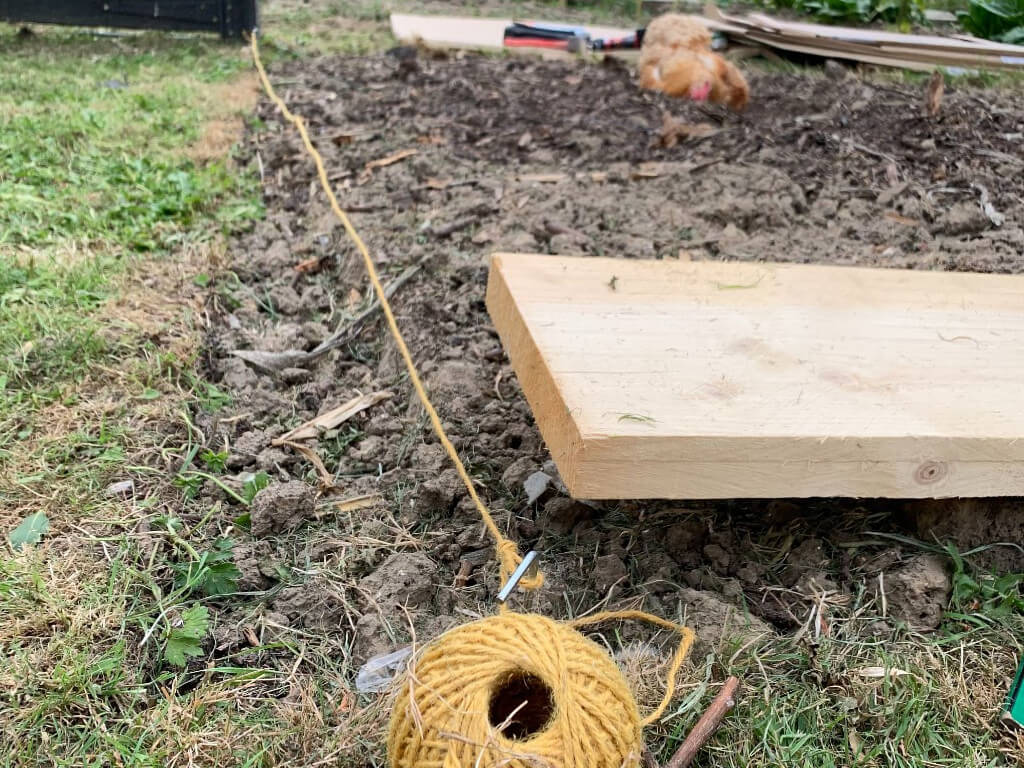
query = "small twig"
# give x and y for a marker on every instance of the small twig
(497, 386)
(706, 164)
(987, 208)
(454, 226)
(448, 185)
(871, 152)
(462, 577)
(366, 207)
(272, 362)
(469, 216)
(349, 331)
(325, 477)
(706, 726)
(153, 626)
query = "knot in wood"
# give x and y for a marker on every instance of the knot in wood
(931, 471)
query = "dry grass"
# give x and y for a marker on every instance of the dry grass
(225, 107)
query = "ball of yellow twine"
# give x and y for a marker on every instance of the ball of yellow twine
(521, 691)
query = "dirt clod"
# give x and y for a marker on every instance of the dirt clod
(313, 606)
(994, 525)
(962, 219)
(517, 472)
(437, 495)
(684, 541)
(246, 448)
(919, 591)
(405, 578)
(713, 619)
(609, 571)
(281, 507)
(561, 514)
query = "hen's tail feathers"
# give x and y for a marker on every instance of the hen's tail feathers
(736, 85)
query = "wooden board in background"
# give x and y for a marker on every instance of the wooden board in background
(739, 380)
(870, 46)
(475, 33)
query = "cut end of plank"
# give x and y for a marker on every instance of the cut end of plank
(663, 379)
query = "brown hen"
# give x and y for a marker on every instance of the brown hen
(676, 59)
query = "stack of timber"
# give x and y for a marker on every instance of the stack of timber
(918, 52)
(702, 380)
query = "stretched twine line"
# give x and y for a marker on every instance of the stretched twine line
(508, 554)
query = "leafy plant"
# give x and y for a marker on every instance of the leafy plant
(901, 12)
(214, 573)
(185, 635)
(190, 483)
(254, 484)
(210, 398)
(1001, 20)
(215, 462)
(982, 598)
(30, 531)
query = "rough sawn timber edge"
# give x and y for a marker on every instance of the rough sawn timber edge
(963, 467)
(559, 430)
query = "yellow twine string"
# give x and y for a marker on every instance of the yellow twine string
(685, 643)
(508, 555)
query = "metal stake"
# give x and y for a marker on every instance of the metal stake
(528, 566)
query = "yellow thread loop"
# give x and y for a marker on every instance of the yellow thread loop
(508, 555)
(682, 651)
(569, 702)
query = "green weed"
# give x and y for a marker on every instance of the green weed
(1001, 20)
(900, 12)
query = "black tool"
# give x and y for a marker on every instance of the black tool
(566, 38)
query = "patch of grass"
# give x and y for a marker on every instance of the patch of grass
(92, 142)
(94, 170)
(102, 195)
(866, 695)
(294, 28)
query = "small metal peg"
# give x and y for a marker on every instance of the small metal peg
(528, 567)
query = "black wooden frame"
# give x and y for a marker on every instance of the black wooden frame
(229, 18)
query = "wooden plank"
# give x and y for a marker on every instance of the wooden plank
(880, 37)
(470, 32)
(921, 52)
(880, 55)
(785, 44)
(727, 380)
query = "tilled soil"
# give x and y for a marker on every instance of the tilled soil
(527, 155)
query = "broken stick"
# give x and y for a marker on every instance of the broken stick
(706, 726)
(469, 217)
(273, 362)
(349, 331)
